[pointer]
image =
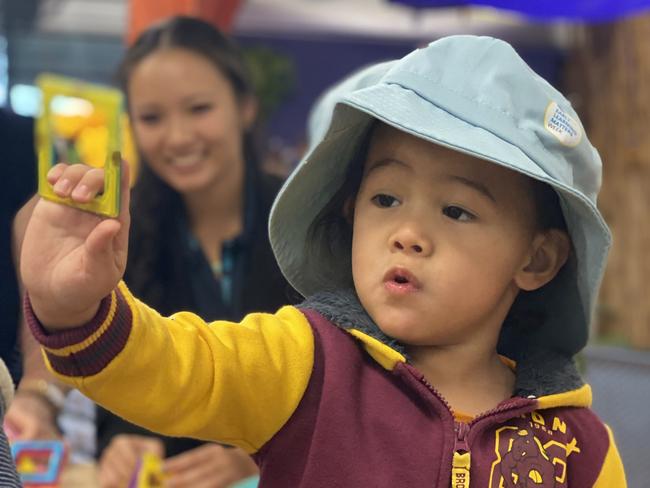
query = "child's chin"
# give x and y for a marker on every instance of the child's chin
(405, 332)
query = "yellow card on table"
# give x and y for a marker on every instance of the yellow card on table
(149, 473)
(80, 122)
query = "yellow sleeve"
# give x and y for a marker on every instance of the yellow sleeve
(236, 383)
(612, 473)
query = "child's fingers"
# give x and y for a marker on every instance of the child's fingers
(69, 179)
(90, 184)
(55, 172)
(118, 462)
(151, 445)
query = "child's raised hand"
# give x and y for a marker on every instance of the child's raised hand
(70, 258)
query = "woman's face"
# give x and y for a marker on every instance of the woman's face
(187, 122)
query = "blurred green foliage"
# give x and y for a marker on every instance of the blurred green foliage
(273, 75)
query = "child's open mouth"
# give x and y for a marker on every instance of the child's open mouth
(401, 281)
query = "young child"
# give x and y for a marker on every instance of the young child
(446, 236)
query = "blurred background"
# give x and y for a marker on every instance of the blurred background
(596, 52)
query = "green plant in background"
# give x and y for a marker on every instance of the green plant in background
(274, 77)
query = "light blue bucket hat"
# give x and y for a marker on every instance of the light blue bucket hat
(475, 95)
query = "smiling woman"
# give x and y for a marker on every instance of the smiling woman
(199, 211)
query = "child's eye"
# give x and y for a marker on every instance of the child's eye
(457, 213)
(385, 201)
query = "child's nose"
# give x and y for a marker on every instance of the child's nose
(412, 242)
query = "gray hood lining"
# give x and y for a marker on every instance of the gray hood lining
(540, 371)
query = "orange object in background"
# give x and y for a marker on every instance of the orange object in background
(143, 13)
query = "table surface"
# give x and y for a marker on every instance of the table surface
(79, 476)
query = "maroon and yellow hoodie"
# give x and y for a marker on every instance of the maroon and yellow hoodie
(321, 398)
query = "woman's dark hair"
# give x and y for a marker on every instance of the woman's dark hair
(156, 268)
(194, 35)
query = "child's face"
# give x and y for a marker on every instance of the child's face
(440, 240)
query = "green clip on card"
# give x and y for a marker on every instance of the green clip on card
(80, 123)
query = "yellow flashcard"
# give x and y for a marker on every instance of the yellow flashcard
(81, 122)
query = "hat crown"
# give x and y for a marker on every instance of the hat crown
(484, 82)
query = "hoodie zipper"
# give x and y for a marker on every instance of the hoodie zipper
(462, 458)
(461, 461)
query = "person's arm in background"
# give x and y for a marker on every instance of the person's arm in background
(39, 397)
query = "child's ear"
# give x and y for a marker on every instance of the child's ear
(549, 251)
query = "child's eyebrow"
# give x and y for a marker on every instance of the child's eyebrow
(480, 187)
(383, 162)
